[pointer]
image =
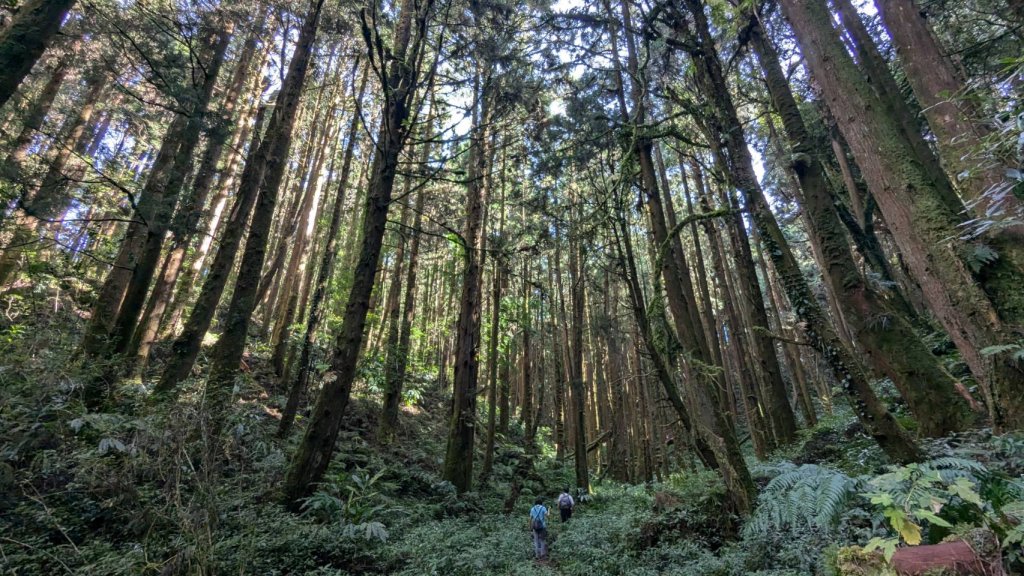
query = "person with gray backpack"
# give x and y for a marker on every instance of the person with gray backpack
(539, 527)
(565, 505)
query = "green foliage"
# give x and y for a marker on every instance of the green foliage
(1014, 350)
(808, 495)
(926, 501)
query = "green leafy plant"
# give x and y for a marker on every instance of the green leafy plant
(353, 500)
(802, 495)
(1015, 350)
(914, 496)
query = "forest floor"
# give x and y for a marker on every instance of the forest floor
(125, 492)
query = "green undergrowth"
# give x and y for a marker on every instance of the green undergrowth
(127, 492)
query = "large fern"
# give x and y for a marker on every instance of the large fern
(808, 496)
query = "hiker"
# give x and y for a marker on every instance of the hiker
(565, 505)
(539, 526)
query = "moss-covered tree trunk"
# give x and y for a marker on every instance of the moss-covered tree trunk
(890, 344)
(732, 155)
(949, 110)
(914, 202)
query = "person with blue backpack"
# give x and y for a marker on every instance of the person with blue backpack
(539, 527)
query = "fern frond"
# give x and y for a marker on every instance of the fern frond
(955, 463)
(807, 495)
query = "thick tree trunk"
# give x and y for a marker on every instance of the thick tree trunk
(913, 201)
(733, 156)
(25, 40)
(875, 69)
(890, 343)
(952, 118)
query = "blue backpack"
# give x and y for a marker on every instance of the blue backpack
(537, 517)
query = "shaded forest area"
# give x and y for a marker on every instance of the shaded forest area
(332, 287)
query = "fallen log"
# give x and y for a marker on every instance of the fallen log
(975, 553)
(593, 445)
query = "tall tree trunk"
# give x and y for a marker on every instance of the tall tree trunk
(314, 453)
(494, 336)
(185, 225)
(398, 349)
(458, 462)
(732, 154)
(576, 385)
(22, 42)
(44, 201)
(301, 380)
(159, 219)
(717, 433)
(950, 114)
(211, 228)
(273, 153)
(526, 398)
(186, 347)
(33, 120)
(875, 69)
(913, 201)
(890, 343)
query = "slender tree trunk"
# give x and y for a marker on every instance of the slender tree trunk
(719, 436)
(210, 229)
(576, 384)
(314, 453)
(159, 218)
(301, 380)
(186, 220)
(494, 337)
(186, 347)
(44, 201)
(33, 121)
(273, 154)
(526, 398)
(458, 464)
(398, 351)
